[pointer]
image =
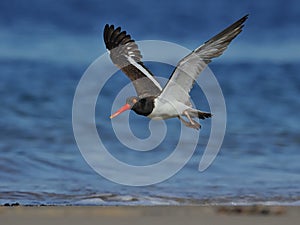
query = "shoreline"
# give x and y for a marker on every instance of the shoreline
(174, 215)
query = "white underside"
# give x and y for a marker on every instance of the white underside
(165, 109)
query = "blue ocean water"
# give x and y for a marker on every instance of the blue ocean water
(46, 46)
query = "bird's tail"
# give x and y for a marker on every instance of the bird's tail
(200, 114)
(203, 115)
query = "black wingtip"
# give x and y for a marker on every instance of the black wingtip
(114, 37)
(241, 21)
(244, 18)
(234, 29)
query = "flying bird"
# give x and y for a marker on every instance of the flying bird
(173, 100)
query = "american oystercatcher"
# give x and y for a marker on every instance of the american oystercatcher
(173, 100)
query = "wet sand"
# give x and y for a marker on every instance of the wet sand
(73, 215)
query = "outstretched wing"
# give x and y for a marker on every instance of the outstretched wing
(190, 67)
(125, 54)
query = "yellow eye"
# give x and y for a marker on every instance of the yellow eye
(134, 100)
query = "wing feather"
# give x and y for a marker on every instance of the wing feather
(125, 54)
(190, 67)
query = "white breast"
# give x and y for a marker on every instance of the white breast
(164, 109)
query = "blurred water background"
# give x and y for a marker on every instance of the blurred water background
(45, 47)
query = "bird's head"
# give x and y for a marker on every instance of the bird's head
(141, 106)
(130, 102)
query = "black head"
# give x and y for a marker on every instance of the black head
(141, 106)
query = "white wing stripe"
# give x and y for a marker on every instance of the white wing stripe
(144, 71)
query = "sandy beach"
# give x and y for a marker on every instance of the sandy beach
(149, 215)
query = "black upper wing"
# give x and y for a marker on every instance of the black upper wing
(125, 54)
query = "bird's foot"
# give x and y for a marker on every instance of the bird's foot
(192, 123)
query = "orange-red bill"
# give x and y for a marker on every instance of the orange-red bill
(122, 109)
